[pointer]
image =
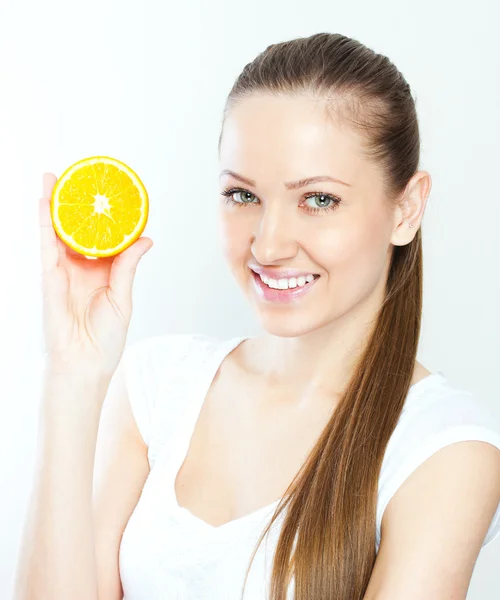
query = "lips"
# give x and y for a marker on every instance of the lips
(281, 296)
(281, 273)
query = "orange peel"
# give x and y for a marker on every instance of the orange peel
(99, 206)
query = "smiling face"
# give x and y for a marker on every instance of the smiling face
(339, 231)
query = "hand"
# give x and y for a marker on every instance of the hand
(87, 303)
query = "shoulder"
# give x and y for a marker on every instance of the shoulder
(165, 345)
(156, 354)
(438, 520)
(439, 492)
(165, 375)
(435, 413)
(158, 370)
(147, 362)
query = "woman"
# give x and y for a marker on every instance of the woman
(317, 460)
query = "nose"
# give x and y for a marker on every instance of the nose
(274, 239)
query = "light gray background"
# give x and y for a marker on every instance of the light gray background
(146, 83)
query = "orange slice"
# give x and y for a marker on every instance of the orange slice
(99, 206)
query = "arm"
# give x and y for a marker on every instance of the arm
(71, 536)
(435, 524)
(121, 470)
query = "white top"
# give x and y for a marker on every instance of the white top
(166, 552)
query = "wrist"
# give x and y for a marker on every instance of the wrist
(76, 382)
(76, 369)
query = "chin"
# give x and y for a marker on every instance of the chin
(286, 326)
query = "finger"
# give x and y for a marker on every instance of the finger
(49, 248)
(49, 181)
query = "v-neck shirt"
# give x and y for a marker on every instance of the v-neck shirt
(168, 553)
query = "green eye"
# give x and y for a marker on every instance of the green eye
(244, 196)
(229, 193)
(331, 201)
(324, 198)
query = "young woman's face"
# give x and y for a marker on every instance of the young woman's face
(337, 231)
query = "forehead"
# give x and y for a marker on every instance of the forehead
(265, 134)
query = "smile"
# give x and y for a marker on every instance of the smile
(283, 290)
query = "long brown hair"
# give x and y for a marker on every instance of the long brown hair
(332, 500)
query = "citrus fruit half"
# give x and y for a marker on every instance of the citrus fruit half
(99, 206)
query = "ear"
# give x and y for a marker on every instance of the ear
(411, 208)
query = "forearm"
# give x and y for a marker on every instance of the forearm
(57, 558)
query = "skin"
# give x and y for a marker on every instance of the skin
(274, 140)
(309, 343)
(455, 492)
(307, 348)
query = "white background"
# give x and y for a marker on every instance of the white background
(145, 82)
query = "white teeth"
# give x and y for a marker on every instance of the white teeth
(285, 283)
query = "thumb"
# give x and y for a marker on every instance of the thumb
(124, 267)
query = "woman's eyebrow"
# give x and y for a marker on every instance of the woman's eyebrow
(290, 185)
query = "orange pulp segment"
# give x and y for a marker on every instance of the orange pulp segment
(99, 206)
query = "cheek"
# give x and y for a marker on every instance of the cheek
(233, 236)
(339, 247)
(353, 255)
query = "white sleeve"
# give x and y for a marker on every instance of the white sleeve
(425, 429)
(145, 363)
(137, 371)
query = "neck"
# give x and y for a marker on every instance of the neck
(320, 361)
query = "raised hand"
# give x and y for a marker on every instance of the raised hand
(87, 303)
